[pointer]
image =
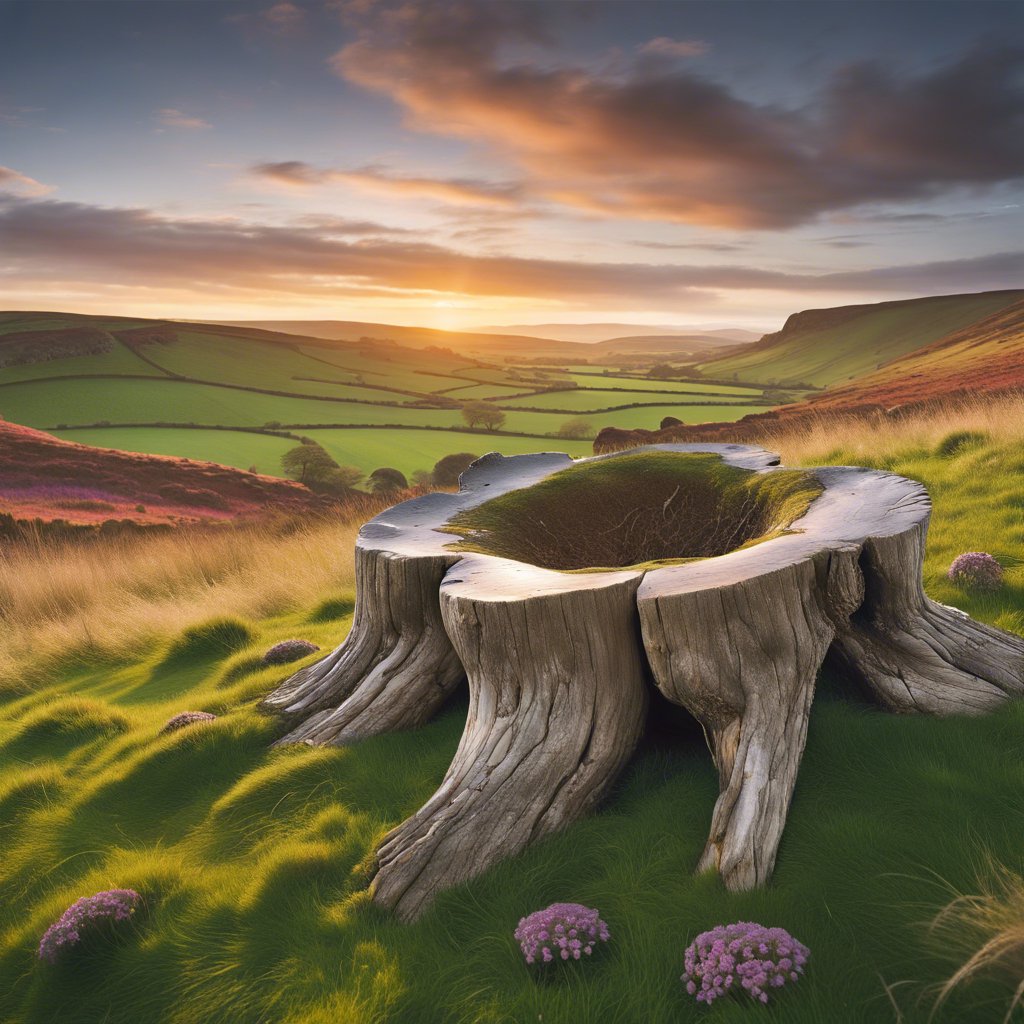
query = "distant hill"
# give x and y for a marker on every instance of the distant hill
(591, 333)
(609, 340)
(826, 347)
(985, 358)
(43, 477)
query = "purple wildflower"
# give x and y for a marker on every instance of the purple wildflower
(562, 931)
(87, 916)
(289, 650)
(976, 570)
(184, 718)
(755, 957)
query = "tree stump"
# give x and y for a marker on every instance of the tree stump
(561, 589)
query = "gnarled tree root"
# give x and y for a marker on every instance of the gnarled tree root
(557, 703)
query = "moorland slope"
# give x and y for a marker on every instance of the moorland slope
(824, 347)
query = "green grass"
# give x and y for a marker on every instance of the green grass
(406, 450)
(253, 860)
(870, 337)
(589, 380)
(118, 360)
(636, 511)
(584, 400)
(229, 448)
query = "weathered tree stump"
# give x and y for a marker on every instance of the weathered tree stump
(708, 569)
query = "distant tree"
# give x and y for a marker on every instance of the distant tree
(272, 425)
(483, 414)
(308, 462)
(339, 480)
(448, 470)
(661, 371)
(423, 478)
(577, 427)
(670, 421)
(386, 479)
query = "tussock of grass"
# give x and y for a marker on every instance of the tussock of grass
(215, 638)
(333, 608)
(636, 510)
(986, 925)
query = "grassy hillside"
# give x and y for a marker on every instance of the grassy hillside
(824, 347)
(162, 387)
(252, 861)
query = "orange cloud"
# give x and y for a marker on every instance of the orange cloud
(14, 181)
(177, 119)
(663, 142)
(452, 191)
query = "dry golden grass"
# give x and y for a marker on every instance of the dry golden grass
(988, 926)
(110, 597)
(1002, 418)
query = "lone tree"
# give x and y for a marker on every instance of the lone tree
(708, 569)
(386, 480)
(477, 414)
(448, 470)
(577, 427)
(307, 462)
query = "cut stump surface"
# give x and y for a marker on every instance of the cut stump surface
(558, 663)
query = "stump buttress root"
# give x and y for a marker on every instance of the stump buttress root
(557, 663)
(557, 703)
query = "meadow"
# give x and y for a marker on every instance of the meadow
(253, 861)
(199, 391)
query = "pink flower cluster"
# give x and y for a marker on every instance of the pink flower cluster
(184, 718)
(563, 930)
(289, 650)
(87, 915)
(977, 570)
(746, 954)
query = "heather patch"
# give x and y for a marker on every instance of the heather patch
(186, 718)
(86, 918)
(289, 650)
(742, 957)
(976, 570)
(563, 931)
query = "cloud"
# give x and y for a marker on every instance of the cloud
(663, 46)
(285, 17)
(453, 191)
(660, 141)
(21, 184)
(49, 241)
(177, 119)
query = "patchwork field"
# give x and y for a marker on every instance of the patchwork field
(158, 387)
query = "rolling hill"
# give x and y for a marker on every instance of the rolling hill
(44, 478)
(597, 332)
(825, 347)
(595, 342)
(241, 396)
(984, 358)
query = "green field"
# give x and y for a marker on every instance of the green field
(406, 450)
(855, 340)
(218, 377)
(253, 860)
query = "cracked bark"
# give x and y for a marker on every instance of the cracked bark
(557, 703)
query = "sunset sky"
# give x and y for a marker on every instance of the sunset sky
(472, 163)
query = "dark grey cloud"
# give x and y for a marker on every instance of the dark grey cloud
(47, 240)
(661, 141)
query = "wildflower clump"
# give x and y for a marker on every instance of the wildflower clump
(744, 954)
(185, 718)
(87, 916)
(289, 650)
(563, 931)
(976, 570)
